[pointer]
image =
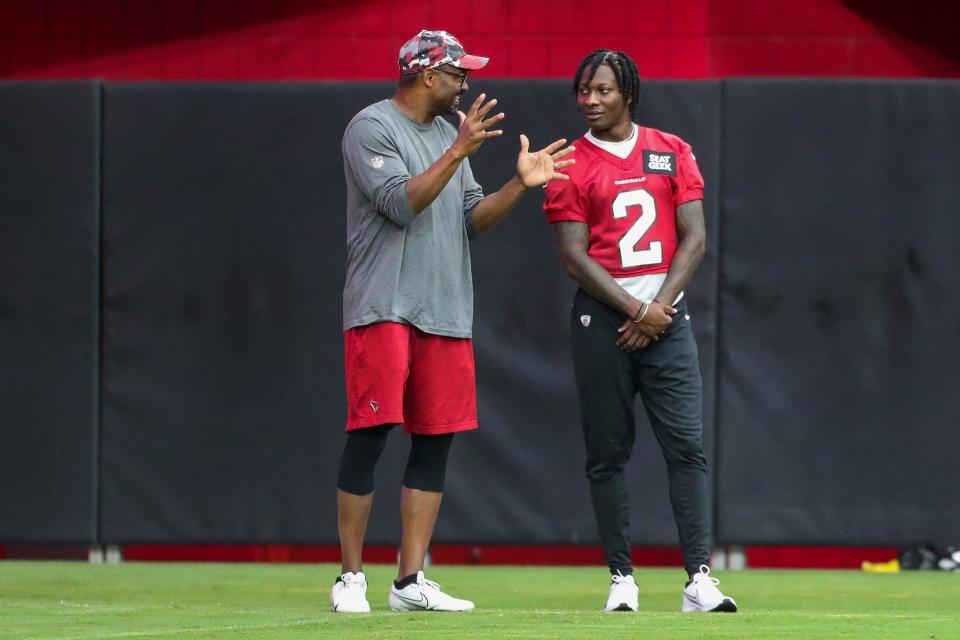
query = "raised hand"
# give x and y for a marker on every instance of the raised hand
(473, 127)
(535, 168)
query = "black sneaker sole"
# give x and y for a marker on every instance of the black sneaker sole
(727, 606)
(623, 606)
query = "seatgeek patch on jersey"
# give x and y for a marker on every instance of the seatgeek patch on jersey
(662, 162)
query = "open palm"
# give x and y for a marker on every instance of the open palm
(538, 167)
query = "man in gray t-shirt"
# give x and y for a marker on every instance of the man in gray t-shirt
(404, 267)
(412, 206)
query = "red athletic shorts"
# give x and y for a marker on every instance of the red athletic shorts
(397, 374)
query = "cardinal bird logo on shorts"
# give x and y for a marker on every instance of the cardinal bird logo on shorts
(585, 321)
(375, 406)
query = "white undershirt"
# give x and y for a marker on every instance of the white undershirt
(621, 149)
(646, 287)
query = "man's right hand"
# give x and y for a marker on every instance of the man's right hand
(655, 321)
(658, 317)
(473, 127)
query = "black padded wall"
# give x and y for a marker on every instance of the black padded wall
(49, 181)
(224, 249)
(213, 411)
(840, 312)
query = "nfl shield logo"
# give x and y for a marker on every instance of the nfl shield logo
(377, 162)
(585, 321)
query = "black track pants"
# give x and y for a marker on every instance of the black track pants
(666, 374)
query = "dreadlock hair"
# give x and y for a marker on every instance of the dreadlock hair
(624, 68)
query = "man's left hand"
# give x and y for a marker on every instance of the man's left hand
(535, 168)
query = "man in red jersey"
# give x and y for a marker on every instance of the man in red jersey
(629, 226)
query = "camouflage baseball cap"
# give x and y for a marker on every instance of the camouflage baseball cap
(429, 49)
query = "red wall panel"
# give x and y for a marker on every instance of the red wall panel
(180, 19)
(104, 19)
(321, 39)
(779, 57)
(105, 58)
(817, 557)
(218, 15)
(28, 54)
(689, 18)
(141, 21)
(764, 18)
(26, 20)
(65, 21)
(938, 57)
(447, 554)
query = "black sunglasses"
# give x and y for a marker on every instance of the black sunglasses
(462, 76)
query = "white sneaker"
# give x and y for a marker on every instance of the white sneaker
(624, 594)
(702, 594)
(349, 594)
(425, 595)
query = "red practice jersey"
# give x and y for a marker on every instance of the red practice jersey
(628, 204)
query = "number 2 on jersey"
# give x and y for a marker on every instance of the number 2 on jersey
(629, 255)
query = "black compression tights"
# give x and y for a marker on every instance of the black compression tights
(426, 464)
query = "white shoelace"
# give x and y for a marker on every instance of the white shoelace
(705, 571)
(351, 581)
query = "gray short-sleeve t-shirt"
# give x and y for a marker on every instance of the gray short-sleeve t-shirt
(401, 266)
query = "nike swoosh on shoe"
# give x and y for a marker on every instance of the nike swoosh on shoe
(422, 602)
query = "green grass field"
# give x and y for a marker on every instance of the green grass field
(60, 600)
